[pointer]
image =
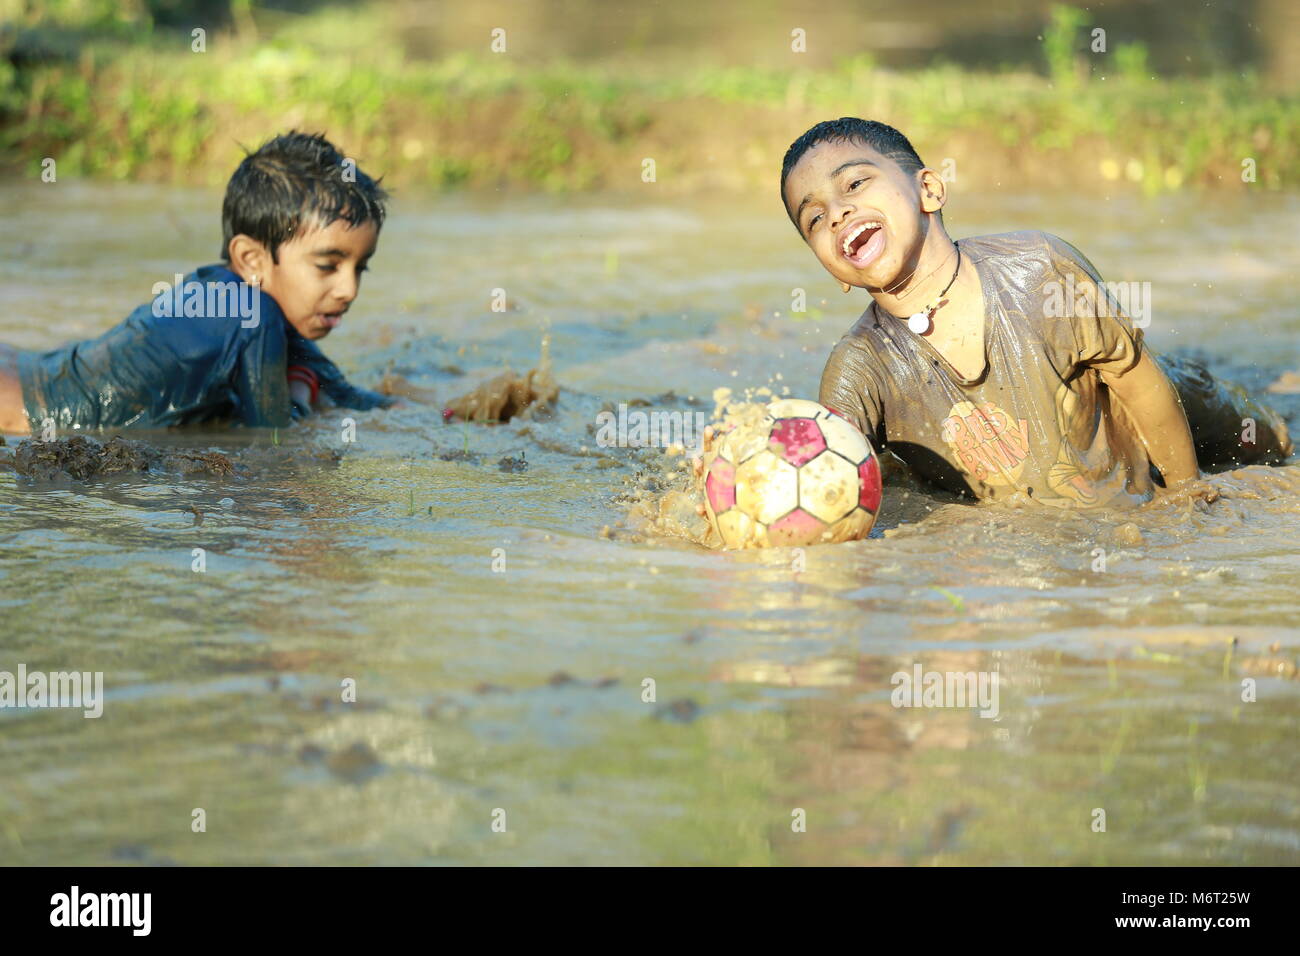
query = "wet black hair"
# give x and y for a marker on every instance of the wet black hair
(884, 139)
(293, 179)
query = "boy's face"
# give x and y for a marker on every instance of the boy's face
(319, 274)
(861, 214)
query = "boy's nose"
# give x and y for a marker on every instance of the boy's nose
(840, 215)
(346, 290)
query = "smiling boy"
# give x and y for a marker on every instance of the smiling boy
(964, 365)
(236, 341)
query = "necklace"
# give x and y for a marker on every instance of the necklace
(923, 321)
(890, 290)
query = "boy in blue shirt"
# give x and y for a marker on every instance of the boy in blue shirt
(231, 342)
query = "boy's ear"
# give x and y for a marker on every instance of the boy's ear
(934, 193)
(249, 259)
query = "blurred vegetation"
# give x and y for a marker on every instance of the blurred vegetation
(115, 89)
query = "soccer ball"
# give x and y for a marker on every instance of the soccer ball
(800, 476)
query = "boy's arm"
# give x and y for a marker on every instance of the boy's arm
(851, 388)
(1157, 414)
(260, 390)
(1105, 339)
(304, 352)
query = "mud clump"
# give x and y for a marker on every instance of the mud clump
(513, 466)
(355, 764)
(82, 458)
(459, 454)
(508, 395)
(1288, 383)
(681, 711)
(397, 385)
(1129, 533)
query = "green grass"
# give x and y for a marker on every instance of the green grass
(151, 109)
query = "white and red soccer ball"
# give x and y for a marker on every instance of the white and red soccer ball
(803, 475)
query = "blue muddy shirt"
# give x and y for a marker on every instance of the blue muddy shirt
(214, 350)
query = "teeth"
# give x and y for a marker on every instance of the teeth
(855, 232)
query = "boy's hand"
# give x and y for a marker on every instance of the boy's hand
(1189, 489)
(304, 389)
(300, 399)
(300, 393)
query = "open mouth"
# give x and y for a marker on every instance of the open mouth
(328, 319)
(863, 241)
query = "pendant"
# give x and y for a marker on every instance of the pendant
(919, 322)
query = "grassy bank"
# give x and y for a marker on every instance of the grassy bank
(155, 110)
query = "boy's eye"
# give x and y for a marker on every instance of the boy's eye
(812, 222)
(854, 185)
(326, 268)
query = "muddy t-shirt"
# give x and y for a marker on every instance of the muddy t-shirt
(1037, 420)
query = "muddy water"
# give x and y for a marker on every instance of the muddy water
(520, 689)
